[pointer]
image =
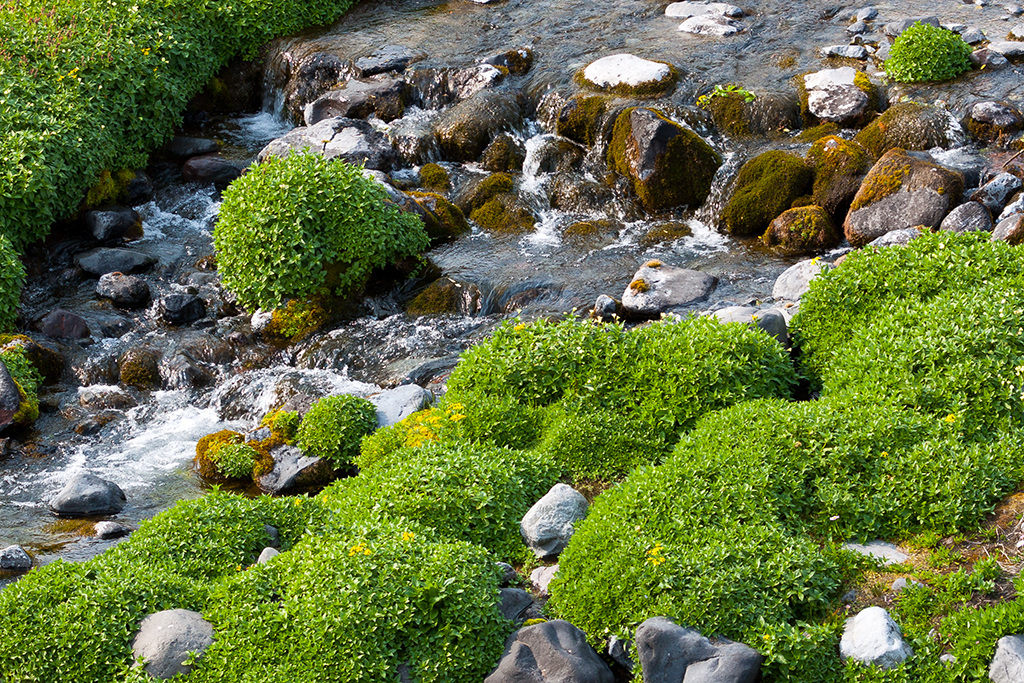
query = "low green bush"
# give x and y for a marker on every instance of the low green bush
(927, 53)
(28, 379)
(235, 460)
(12, 277)
(334, 426)
(470, 492)
(305, 225)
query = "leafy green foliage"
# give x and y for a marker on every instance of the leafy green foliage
(28, 379)
(306, 225)
(12, 277)
(466, 491)
(90, 85)
(235, 460)
(725, 91)
(334, 426)
(927, 53)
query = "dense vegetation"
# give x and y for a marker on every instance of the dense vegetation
(927, 53)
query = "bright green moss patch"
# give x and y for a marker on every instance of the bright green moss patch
(817, 132)
(434, 178)
(801, 230)
(109, 188)
(839, 167)
(729, 110)
(334, 426)
(580, 118)
(503, 215)
(298, 318)
(765, 187)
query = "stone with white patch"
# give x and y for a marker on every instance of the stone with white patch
(874, 639)
(687, 9)
(625, 70)
(832, 95)
(710, 25)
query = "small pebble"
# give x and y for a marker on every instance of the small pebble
(107, 530)
(857, 28)
(1015, 10)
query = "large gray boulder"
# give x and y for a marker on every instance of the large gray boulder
(669, 653)
(86, 495)
(394, 405)
(551, 652)
(873, 638)
(968, 217)
(351, 140)
(13, 558)
(514, 603)
(657, 288)
(796, 280)
(548, 525)
(102, 261)
(772, 321)
(835, 95)
(113, 222)
(292, 469)
(901, 191)
(165, 640)
(1008, 664)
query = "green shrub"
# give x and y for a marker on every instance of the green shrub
(12, 277)
(305, 225)
(470, 492)
(927, 53)
(28, 379)
(90, 85)
(333, 427)
(235, 460)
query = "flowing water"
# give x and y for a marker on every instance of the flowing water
(146, 446)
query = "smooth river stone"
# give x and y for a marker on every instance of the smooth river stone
(624, 69)
(687, 9)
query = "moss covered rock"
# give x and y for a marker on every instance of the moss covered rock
(667, 232)
(667, 165)
(140, 367)
(805, 230)
(298, 318)
(493, 205)
(839, 167)
(447, 296)
(736, 114)
(901, 192)
(443, 220)
(629, 75)
(766, 186)
(435, 178)
(207, 461)
(465, 130)
(504, 153)
(913, 126)
(581, 118)
(991, 121)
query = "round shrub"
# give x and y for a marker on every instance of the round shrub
(12, 277)
(207, 448)
(236, 460)
(304, 225)
(466, 491)
(927, 53)
(334, 426)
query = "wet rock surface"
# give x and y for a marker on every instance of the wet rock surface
(86, 494)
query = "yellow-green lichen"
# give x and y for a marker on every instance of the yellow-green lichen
(444, 220)
(730, 112)
(639, 286)
(669, 232)
(884, 180)
(434, 177)
(839, 166)
(907, 125)
(580, 118)
(815, 133)
(438, 298)
(803, 230)
(502, 155)
(646, 90)
(298, 318)
(503, 215)
(109, 187)
(139, 368)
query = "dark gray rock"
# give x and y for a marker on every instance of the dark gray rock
(86, 494)
(894, 28)
(796, 280)
(994, 194)
(436, 88)
(273, 536)
(972, 35)
(13, 558)
(989, 59)
(669, 653)
(513, 603)
(350, 140)
(139, 189)
(847, 51)
(548, 525)
(968, 217)
(465, 130)
(1010, 229)
(184, 147)
(925, 192)
(126, 291)
(292, 470)
(394, 405)
(359, 100)
(659, 288)
(166, 639)
(102, 261)
(873, 638)
(388, 58)
(1011, 49)
(619, 651)
(210, 169)
(182, 309)
(508, 573)
(552, 652)
(114, 222)
(605, 308)
(993, 121)
(180, 370)
(10, 397)
(61, 324)
(1008, 664)
(108, 530)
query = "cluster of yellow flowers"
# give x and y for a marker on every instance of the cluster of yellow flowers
(408, 536)
(423, 431)
(359, 548)
(654, 555)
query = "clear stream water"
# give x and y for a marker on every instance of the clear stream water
(148, 448)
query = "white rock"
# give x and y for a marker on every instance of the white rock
(624, 69)
(548, 525)
(687, 9)
(165, 640)
(832, 94)
(710, 25)
(873, 638)
(540, 579)
(267, 555)
(880, 550)
(796, 280)
(1008, 664)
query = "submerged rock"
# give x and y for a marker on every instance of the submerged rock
(388, 58)
(465, 130)
(102, 261)
(210, 168)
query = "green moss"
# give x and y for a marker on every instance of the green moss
(140, 368)
(817, 132)
(445, 220)
(639, 286)
(839, 166)
(503, 215)
(434, 177)
(205, 460)
(885, 179)
(669, 232)
(298, 319)
(439, 297)
(730, 112)
(908, 125)
(517, 61)
(801, 230)
(643, 91)
(503, 154)
(109, 188)
(580, 118)
(682, 175)
(765, 187)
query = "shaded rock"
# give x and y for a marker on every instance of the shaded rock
(139, 189)
(102, 261)
(691, 8)
(293, 470)
(551, 652)
(990, 120)
(618, 651)
(801, 231)
(553, 154)
(548, 525)
(583, 117)
(573, 193)
(413, 138)
(465, 130)
(273, 536)
(666, 164)
(443, 220)
(540, 579)
(10, 397)
(669, 653)
(210, 169)
(139, 367)
(895, 238)
(968, 217)
(359, 100)
(61, 324)
(518, 60)
(180, 370)
(388, 58)
(1010, 49)
(513, 603)
(771, 321)
(874, 639)
(166, 639)
(895, 28)
(912, 126)
(766, 186)
(108, 530)
(796, 280)
(126, 291)
(13, 558)
(993, 194)
(857, 28)
(86, 494)
(1010, 229)
(503, 153)
(184, 147)
(394, 405)
(1008, 664)
(434, 88)
(843, 95)
(846, 51)
(605, 308)
(901, 191)
(988, 59)
(879, 550)
(266, 555)
(969, 164)
(105, 397)
(1016, 206)
(181, 309)
(657, 289)
(351, 140)
(113, 222)
(867, 14)
(710, 25)
(972, 35)
(839, 168)
(508, 573)
(626, 74)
